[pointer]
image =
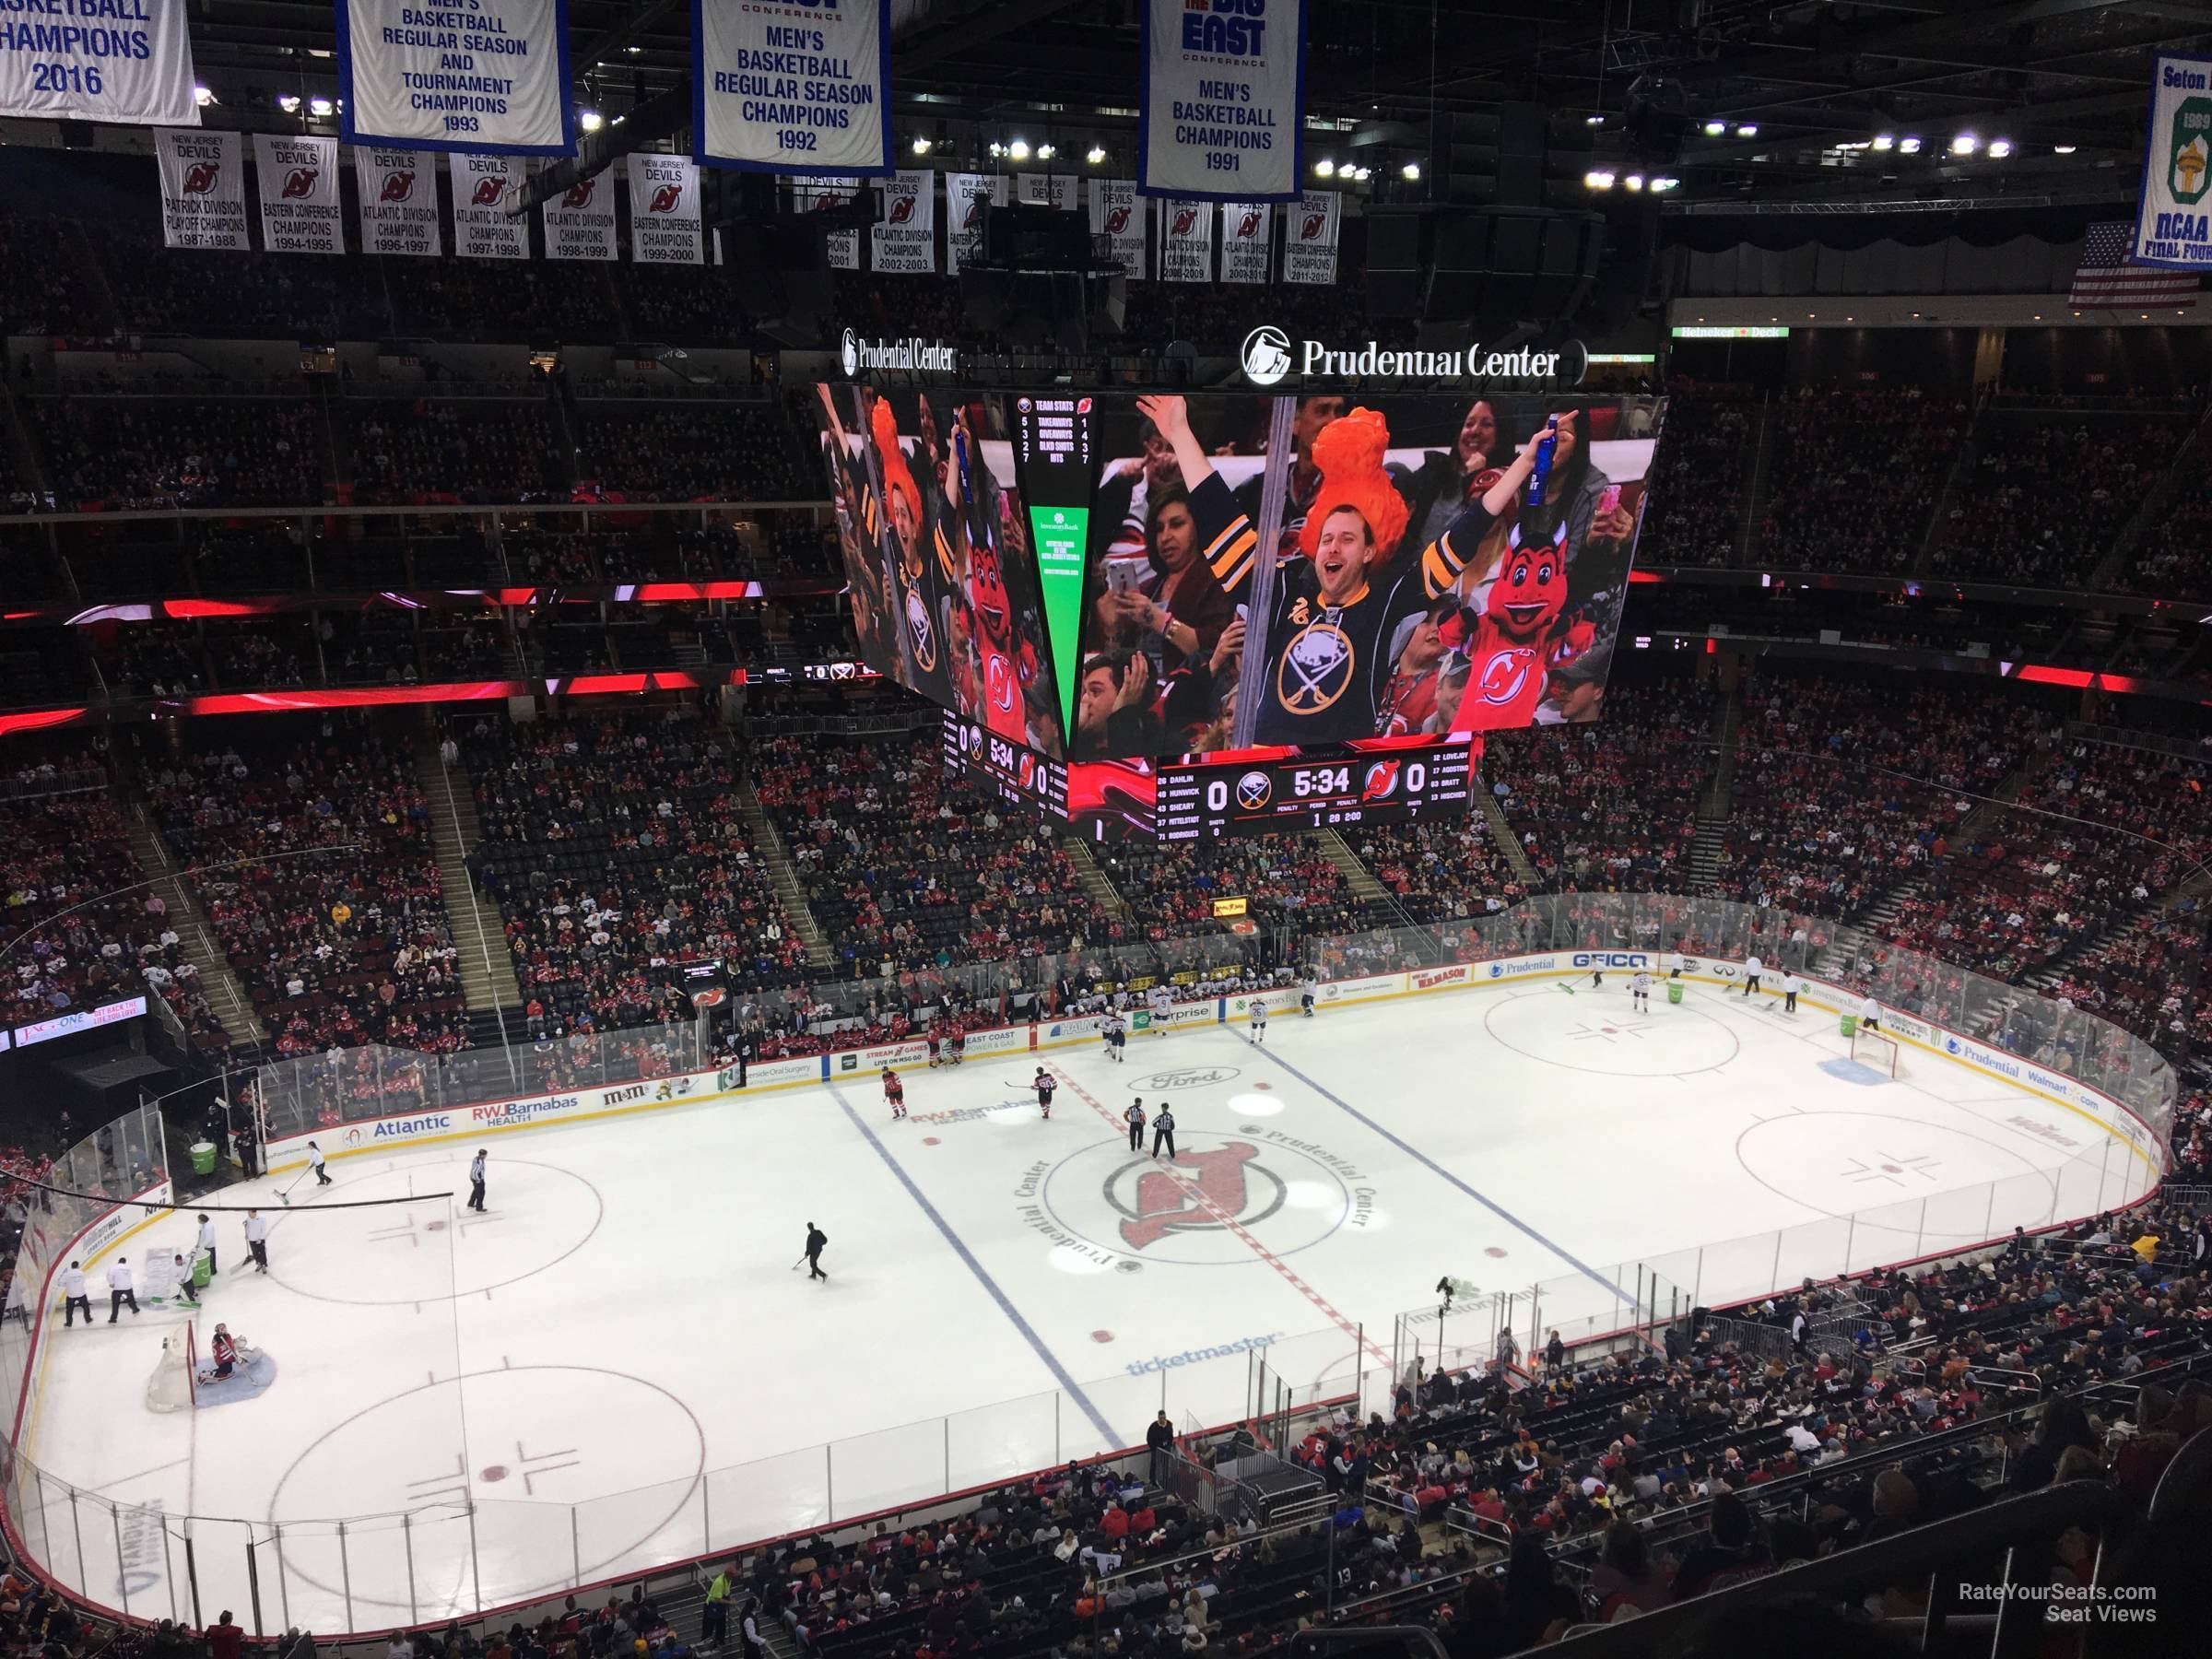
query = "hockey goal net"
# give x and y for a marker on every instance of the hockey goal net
(1872, 1048)
(175, 1386)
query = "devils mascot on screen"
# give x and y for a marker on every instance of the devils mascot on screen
(1005, 664)
(1518, 642)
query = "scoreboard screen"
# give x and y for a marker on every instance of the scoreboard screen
(1206, 800)
(1021, 776)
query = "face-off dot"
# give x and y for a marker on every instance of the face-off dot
(1101, 1336)
(931, 1140)
(492, 1472)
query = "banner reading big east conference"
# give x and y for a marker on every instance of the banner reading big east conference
(489, 77)
(2173, 216)
(97, 60)
(792, 85)
(1224, 98)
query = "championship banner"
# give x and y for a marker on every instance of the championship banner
(798, 86)
(1247, 241)
(1221, 117)
(299, 181)
(203, 189)
(821, 196)
(2173, 224)
(580, 223)
(1310, 238)
(904, 242)
(398, 190)
(1116, 210)
(487, 77)
(1187, 241)
(85, 62)
(664, 210)
(966, 196)
(481, 228)
(1046, 190)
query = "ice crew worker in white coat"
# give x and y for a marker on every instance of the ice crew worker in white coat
(120, 1294)
(1751, 969)
(314, 1162)
(206, 1242)
(476, 1182)
(1675, 964)
(1791, 985)
(257, 1240)
(72, 1296)
(1870, 1014)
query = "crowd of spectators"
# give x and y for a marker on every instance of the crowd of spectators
(1700, 473)
(2046, 499)
(1450, 871)
(2172, 556)
(690, 452)
(470, 449)
(122, 453)
(1853, 477)
(313, 865)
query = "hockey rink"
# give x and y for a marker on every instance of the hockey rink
(624, 1362)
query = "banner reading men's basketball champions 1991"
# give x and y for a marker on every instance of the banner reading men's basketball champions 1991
(792, 85)
(2173, 215)
(1224, 98)
(487, 77)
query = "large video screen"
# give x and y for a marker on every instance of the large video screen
(940, 566)
(1441, 565)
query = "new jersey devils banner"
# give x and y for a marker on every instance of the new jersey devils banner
(664, 210)
(1187, 241)
(1310, 238)
(841, 248)
(966, 196)
(580, 223)
(124, 63)
(1224, 98)
(1247, 241)
(203, 189)
(904, 240)
(1116, 210)
(1046, 190)
(398, 190)
(299, 187)
(481, 228)
(489, 77)
(792, 85)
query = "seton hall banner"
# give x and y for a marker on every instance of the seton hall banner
(2174, 213)
(490, 76)
(1224, 100)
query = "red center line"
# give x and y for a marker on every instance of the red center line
(1291, 1275)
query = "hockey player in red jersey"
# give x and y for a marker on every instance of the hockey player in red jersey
(894, 1094)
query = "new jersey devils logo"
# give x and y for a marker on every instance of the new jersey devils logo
(301, 182)
(1203, 1190)
(1505, 675)
(579, 195)
(1184, 218)
(199, 178)
(1247, 227)
(488, 193)
(974, 213)
(398, 187)
(902, 210)
(1312, 229)
(998, 682)
(665, 198)
(1117, 220)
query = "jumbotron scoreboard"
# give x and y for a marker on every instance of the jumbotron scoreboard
(1209, 799)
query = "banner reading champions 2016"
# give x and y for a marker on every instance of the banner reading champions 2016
(96, 60)
(1224, 98)
(792, 85)
(2173, 216)
(487, 77)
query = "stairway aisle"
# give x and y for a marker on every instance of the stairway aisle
(785, 877)
(495, 1000)
(224, 993)
(1092, 878)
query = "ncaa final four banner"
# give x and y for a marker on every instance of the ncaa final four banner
(905, 238)
(398, 192)
(1187, 241)
(580, 223)
(299, 180)
(96, 62)
(1310, 238)
(481, 228)
(490, 76)
(1224, 100)
(1247, 241)
(2173, 224)
(1116, 210)
(664, 210)
(792, 85)
(203, 189)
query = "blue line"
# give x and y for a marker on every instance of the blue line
(1438, 1170)
(1051, 1362)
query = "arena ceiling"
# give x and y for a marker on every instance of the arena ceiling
(2063, 81)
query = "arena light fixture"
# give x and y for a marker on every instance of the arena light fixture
(1908, 146)
(1885, 141)
(589, 120)
(1597, 177)
(1661, 184)
(998, 149)
(289, 103)
(920, 146)
(1999, 148)
(1096, 155)
(1965, 143)
(2062, 149)
(1324, 168)
(1713, 129)
(1045, 152)
(1749, 129)
(1594, 120)
(1633, 182)
(1412, 169)
(202, 97)
(1019, 149)
(319, 106)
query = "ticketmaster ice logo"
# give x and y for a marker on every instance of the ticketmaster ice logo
(1266, 355)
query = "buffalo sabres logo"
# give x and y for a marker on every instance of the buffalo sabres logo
(1317, 668)
(922, 627)
(1254, 790)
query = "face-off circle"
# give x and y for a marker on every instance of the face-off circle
(1285, 1197)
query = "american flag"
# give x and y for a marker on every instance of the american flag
(2107, 279)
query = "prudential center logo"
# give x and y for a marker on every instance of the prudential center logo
(1266, 355)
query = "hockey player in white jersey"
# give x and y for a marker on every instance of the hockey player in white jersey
(1160, 1003)
(1257, 1013)
(1308, 989)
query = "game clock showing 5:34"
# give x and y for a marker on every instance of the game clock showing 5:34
(1253, 797)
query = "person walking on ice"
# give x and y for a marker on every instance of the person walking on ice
(1870, 1013)
(1135, 1114)
(1259, 1019)
(1642, 988)
(1044, 1083)
(1752, 967)
(120, 1295)
(1791, 985)
(894, 1094)
(257, 1240)
(74, 1300)
(815, 1239)
(476, 1182)
(314, 1162)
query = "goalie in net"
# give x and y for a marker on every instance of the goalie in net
(179, 1379)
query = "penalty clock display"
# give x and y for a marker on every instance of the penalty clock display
(1253, 796)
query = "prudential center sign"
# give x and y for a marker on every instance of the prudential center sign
(1269, 357)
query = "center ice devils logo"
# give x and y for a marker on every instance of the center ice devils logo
(301, 182)
(399, 186)
(199, 178)
(665, 198)
(488, 193)
(1202, 1189)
